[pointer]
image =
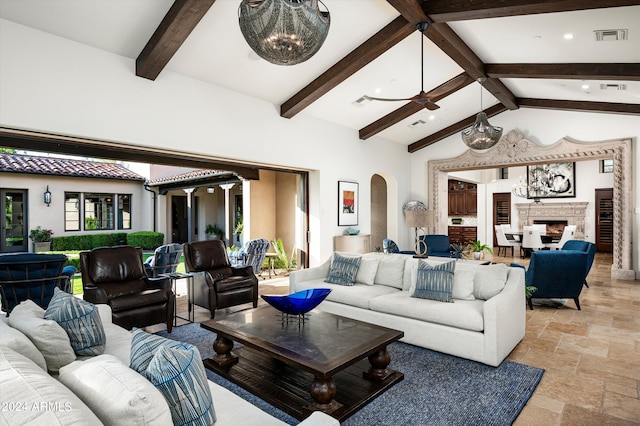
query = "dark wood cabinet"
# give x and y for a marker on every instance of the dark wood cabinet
(463, 198)
(604, 220)
(462, 235)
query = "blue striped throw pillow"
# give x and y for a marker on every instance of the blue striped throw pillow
(343, 269)
(144, 346)
(435, 282)
(80, 319)
(179, 375)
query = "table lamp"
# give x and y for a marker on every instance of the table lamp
(419, 219)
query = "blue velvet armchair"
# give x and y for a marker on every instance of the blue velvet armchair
(585, 246)
(556, 274)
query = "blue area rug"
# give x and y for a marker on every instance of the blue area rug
(437, 389)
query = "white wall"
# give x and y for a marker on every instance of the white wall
(52, 217)
(545, 128)
(55, 85)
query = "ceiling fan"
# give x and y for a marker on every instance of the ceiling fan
(421, 98)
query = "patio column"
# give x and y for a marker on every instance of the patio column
(227, 214)
(189, 192)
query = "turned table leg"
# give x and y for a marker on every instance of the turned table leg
(323, 390)
(222, 346)
(378, 370)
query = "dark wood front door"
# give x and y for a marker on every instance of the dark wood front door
(604, 220)
(501, 211)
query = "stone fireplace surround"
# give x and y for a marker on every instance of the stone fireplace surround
(573, 212)
(514, 149)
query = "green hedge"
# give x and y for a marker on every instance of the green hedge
(88, 241)
(146, 239)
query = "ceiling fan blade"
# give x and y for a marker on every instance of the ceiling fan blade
(430, 106)
(371, 98)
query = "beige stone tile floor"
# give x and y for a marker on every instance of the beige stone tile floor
(591, 357)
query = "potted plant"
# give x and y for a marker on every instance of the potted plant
(478, 249)
(41, 238)
(213, 232)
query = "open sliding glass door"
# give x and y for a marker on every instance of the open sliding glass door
(13, 225)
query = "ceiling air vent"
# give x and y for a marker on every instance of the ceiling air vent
(613, 86)
(610, 35)
(417, 123)
(361, 101)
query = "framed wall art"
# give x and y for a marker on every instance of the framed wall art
(347, 203)
(553, 180)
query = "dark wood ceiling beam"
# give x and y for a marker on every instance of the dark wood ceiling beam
(180, 20)
(581, 106)
(452, 45)
(44, 142)
(462, 10)
(608, 71)
(375, 46)
(440, 92)
(453, 129)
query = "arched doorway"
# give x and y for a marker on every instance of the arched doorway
(378, 211)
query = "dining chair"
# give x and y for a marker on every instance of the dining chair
(568, 233)
(503, 242)
(540, 227)
(531, 240)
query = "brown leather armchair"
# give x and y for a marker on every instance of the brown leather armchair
(223, 286)
(116, 276)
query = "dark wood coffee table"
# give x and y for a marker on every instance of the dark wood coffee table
(328, 363)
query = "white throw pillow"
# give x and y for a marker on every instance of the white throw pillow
(117, 394)
(13, 339)
(368, 268)
(391, 270)
(463, 284)
(50, 339)
(35, 397)
(489, 280)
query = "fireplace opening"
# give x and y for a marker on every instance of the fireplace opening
(554, 227)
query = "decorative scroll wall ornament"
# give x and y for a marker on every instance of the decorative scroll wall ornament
(514, 150)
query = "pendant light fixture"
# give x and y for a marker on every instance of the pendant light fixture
(284, 32)
(481, 135)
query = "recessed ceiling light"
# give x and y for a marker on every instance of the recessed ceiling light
(378, 90)
(585, 86)
(432, 117)
(568, 36)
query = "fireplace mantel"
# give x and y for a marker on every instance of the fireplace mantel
(573, 212)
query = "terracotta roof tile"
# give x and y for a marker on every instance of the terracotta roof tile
(194, 174)
(18, 163)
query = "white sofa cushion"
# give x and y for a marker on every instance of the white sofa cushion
(463, 284)
(489, 280)
(464, 314)
(14, 339)
(391, 270)
(368, 268)
(32, 397)
(358, 295)
(117, 394)
(47, 335)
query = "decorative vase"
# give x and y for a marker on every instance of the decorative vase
(42, 247)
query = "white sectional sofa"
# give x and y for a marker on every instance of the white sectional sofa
(31, 395)
(481, 330)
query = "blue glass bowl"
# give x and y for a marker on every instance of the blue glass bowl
(298, 303)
